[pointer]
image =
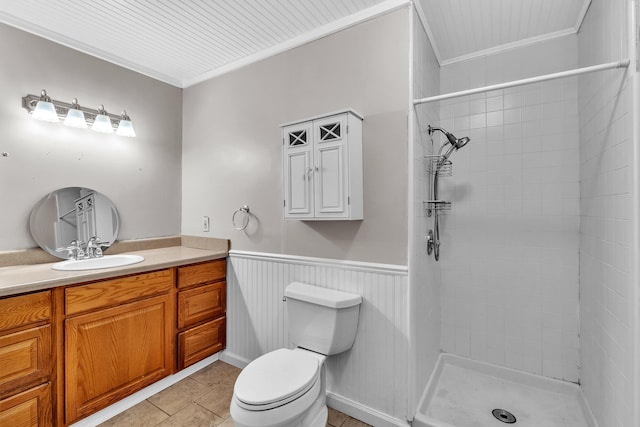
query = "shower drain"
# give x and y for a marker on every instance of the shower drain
(504, 416)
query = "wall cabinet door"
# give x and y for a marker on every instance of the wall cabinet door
(298, 171)
(331, 161)
(112, 353)
(322, 168)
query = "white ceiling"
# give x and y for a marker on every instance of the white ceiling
(462, 29)
(185, 42)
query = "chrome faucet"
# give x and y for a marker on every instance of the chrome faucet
(75, 250)
(94, 249)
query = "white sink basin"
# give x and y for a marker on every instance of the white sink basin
(106, 261)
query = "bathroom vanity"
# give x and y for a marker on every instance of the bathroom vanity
(75, 342)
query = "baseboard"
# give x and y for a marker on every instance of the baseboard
(233, 359)
(142, 395)
(363, 413)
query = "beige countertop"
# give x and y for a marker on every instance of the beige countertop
(27, 278)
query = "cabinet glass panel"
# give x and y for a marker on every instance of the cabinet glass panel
(298, 138)
(330, 132)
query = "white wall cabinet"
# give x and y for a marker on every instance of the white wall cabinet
(322, 167)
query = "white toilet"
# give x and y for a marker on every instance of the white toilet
(287, 387)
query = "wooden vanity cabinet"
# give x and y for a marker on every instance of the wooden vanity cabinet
(201, 314)
(119, 338)
(68, 352)
(26, 360)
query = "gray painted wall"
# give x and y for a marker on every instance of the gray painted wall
(140, 175)
(232, 143)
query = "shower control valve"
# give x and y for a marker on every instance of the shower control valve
(433, 245)
(430, 242)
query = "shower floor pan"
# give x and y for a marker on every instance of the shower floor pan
(464, 393)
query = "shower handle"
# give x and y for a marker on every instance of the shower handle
(430, 242)
(433, 244)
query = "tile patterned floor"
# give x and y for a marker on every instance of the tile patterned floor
(200, 400)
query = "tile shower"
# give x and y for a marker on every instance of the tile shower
(535, 271)
(510, 244)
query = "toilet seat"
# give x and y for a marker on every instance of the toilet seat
(276, 378)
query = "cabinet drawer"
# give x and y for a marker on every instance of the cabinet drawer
(108, 293)
(201, 303)
(192, 275)
(24, 310)
(31, 408)
(25, 359)
(201, 341)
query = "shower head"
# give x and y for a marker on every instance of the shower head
(455, 143)
(462, 142)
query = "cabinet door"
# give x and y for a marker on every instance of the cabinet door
(25, 359)
(112, 353)
(16, 311)
(331, 163)
(197, 343)
(298, 171)
(201, 303)
(198, 274)
(31, 408)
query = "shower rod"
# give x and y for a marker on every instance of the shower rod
(607, 66)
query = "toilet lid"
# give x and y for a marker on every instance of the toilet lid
(277, 378)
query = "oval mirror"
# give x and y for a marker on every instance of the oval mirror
(73, 213)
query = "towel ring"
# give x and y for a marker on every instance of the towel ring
(245, 222)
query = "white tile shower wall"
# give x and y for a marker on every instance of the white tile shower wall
(424, 275)
(509, 254)
(374, 372)
(606, 285)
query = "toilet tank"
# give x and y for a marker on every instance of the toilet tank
(320, 319)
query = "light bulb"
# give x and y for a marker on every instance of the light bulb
(125, 128)
(102, 122)
(75, 116)
(45, 110)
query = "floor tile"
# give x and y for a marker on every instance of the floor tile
(227, 423)
(336, 418)
(193, 415)
(217, 400)
(179, 395)
(200, 400)
(352, 422)
(144, 414)
(217, 373)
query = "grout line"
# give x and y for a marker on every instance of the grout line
(157, 407)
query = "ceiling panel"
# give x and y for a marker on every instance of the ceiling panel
(461, 29)
(185, 42)
(177, 41)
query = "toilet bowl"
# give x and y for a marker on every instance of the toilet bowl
(288, 387)
(281, 388)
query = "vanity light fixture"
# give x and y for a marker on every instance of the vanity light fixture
(75, 116)
(102, 122)
(42, 107)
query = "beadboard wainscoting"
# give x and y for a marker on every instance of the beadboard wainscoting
(370, 380)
